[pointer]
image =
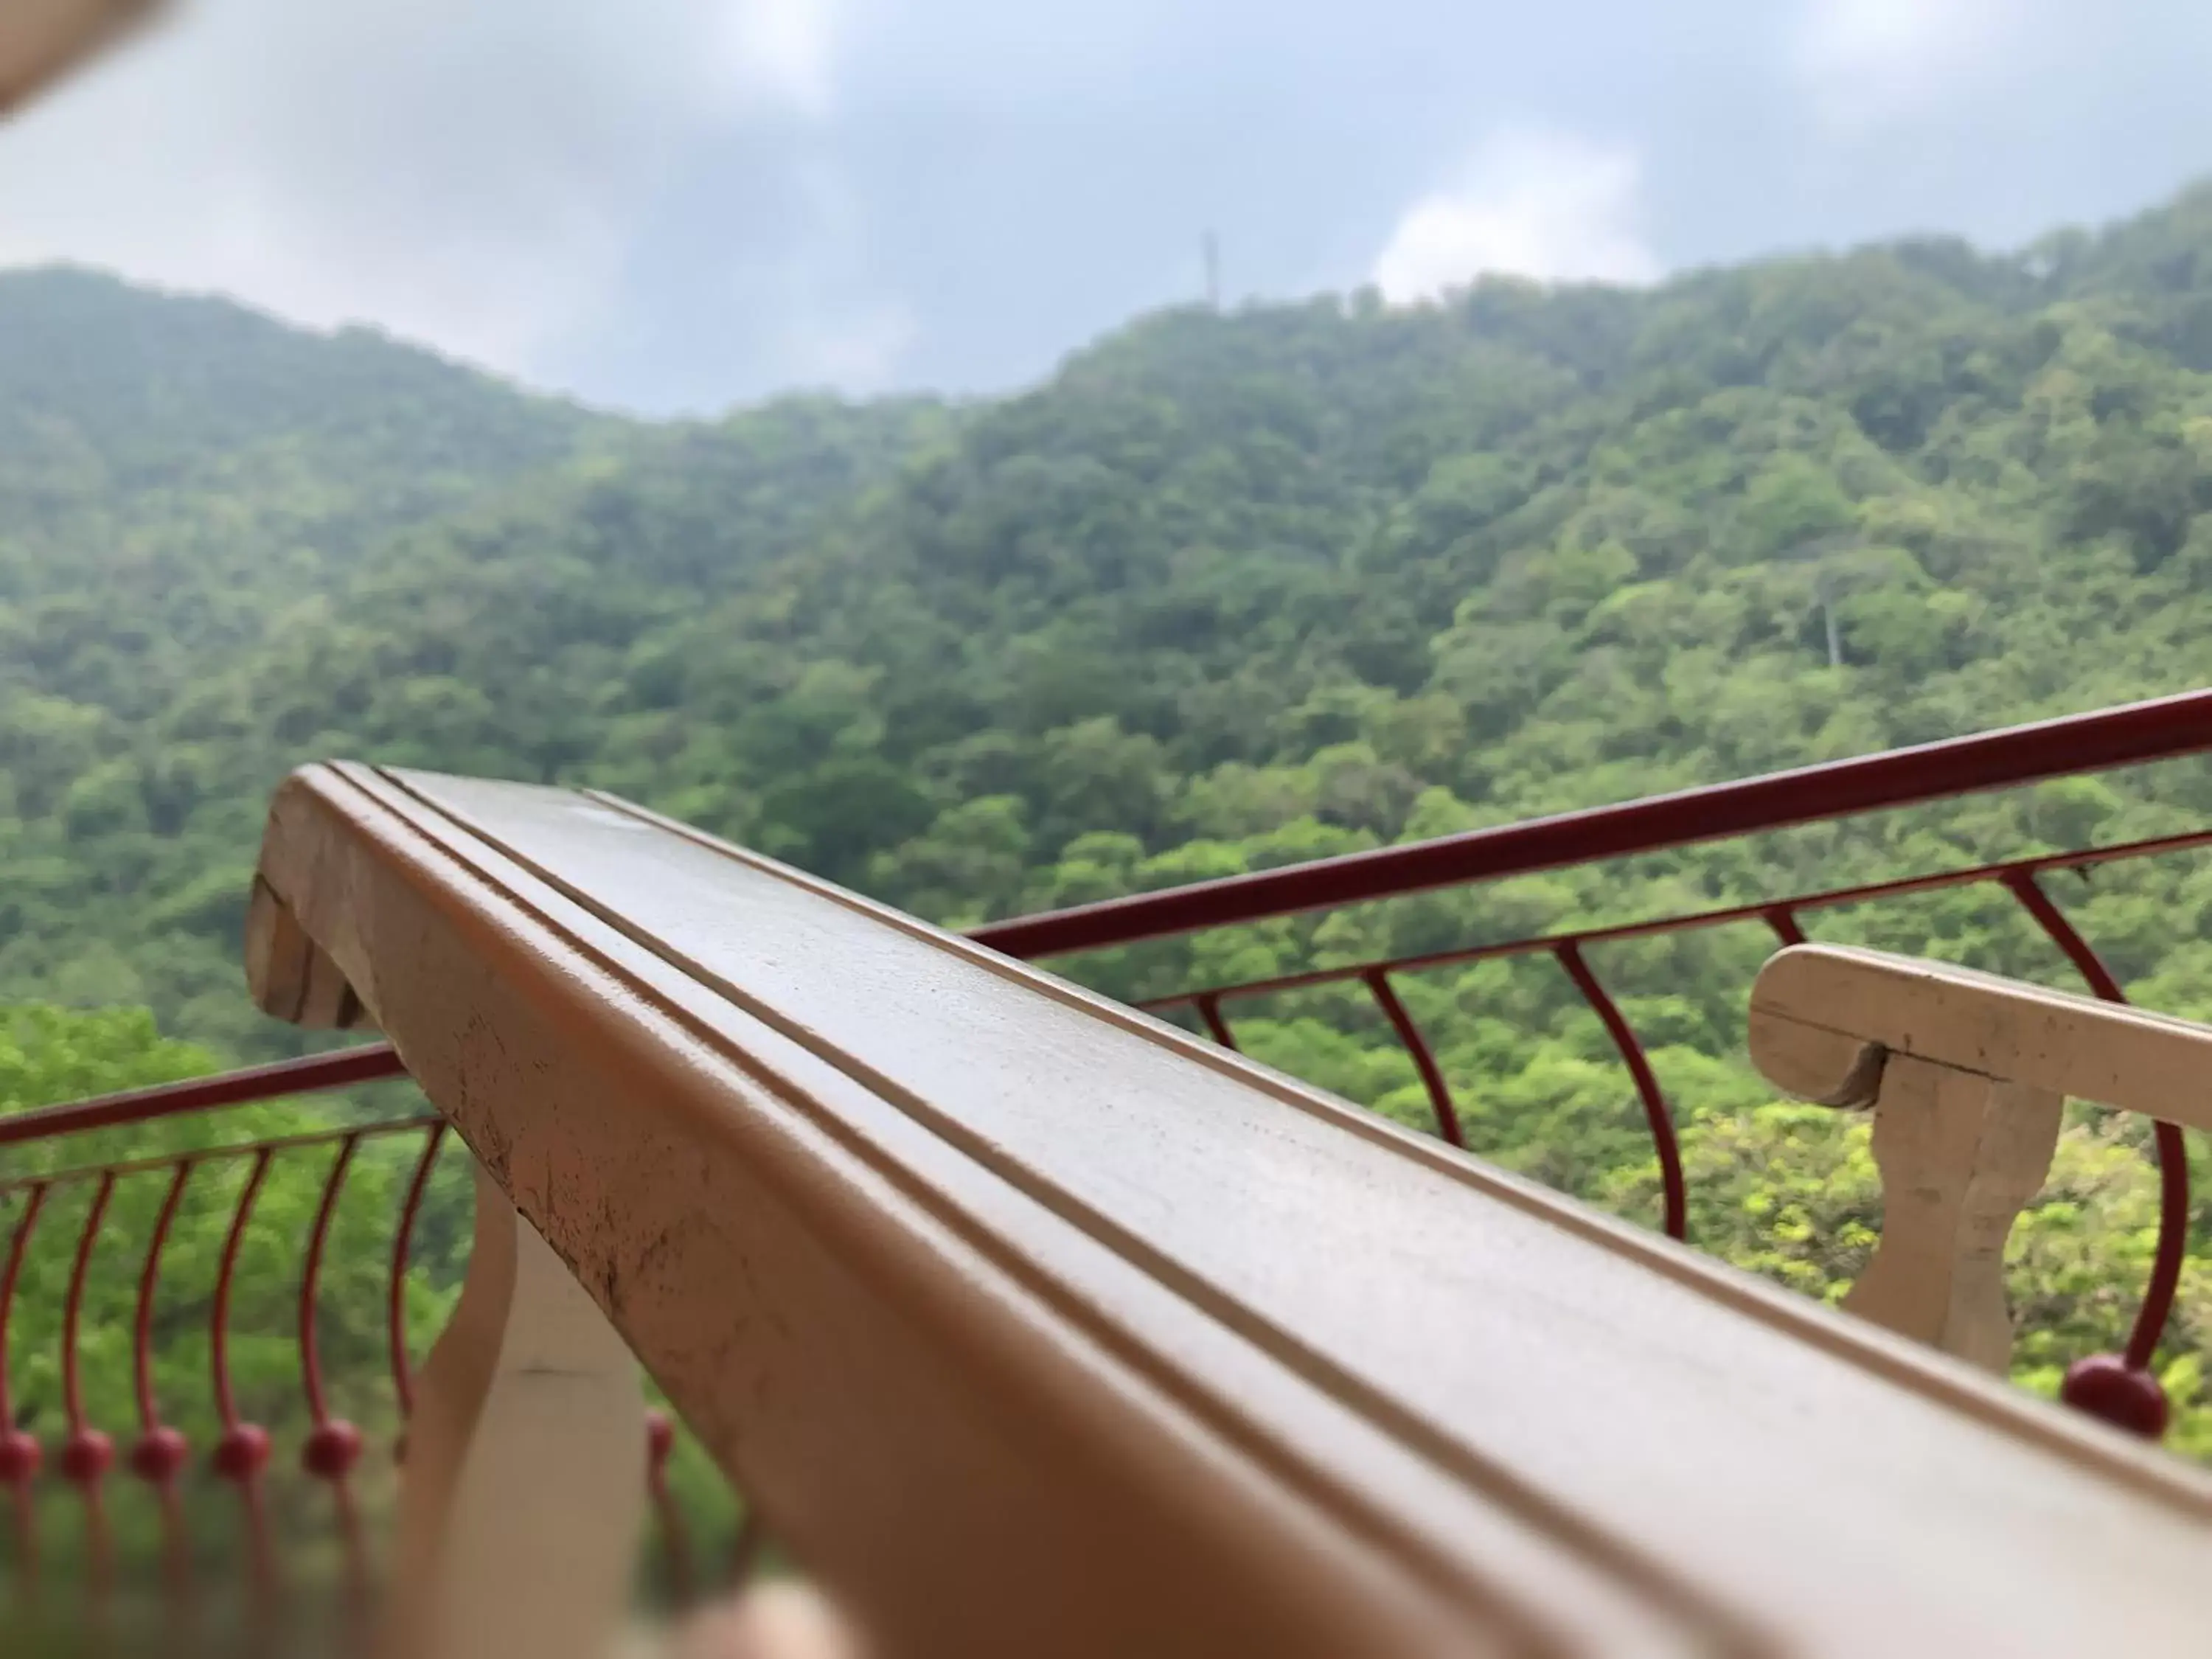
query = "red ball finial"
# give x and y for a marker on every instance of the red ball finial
(20, 1457)
(85, 1456)
(240, 1454)
(332, 1449)
(2106, 1387)
(160, 1453)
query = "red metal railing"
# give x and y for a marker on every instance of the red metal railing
(367, 1063)
(2144, 732)
(2127, 736)
(2017, 877)
(2160, 729)
(239, 1450)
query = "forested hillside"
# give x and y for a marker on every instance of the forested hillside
(190, 495)
(1227, 591)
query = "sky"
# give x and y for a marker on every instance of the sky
(675, 206)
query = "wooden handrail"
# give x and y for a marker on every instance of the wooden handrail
(42, 40)
(1036, 1325)
(1823, 1017)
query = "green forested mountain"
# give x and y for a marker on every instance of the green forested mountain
(1227, 591)
(1240, 588)
(201, 464)
(190, 494)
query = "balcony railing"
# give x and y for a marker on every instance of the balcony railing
(74, 1465)
(194, 1556)
(2162, 729)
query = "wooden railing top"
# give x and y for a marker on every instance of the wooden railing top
(1036, 1325)
(42, 40)
(1818, 1012)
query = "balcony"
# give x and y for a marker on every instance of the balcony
(1026, 1320)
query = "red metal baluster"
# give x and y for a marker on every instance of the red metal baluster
(403, 1380)
(1209, 1010)
(2119, 1388)
(333, 1444)
(243, 1450)
(1784, 920)
(162, 1452)
(327, 1455)
(1647, 1085)
(19, 1454)
(1377, 980)
(660, 1442)
(86, 1453)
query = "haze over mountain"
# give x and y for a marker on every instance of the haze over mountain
(678, 206)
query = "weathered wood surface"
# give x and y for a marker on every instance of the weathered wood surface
(1037, 1326)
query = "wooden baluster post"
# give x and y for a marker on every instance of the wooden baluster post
(1960, 1156)
(1962, 1151)
(524, 1489)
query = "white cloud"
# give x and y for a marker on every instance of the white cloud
(473, 176)
(1867, 62)
(1547, 205)
(786, 47)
